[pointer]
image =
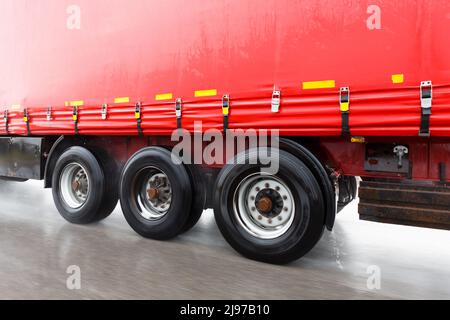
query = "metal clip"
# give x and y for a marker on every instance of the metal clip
(49, 113)
(75, 114)
(137, 111)
(178, 112)
(137, 115)
(426, 96)
(276, 101)
(26, 119)
(178, 108)
(104, 111)
(344, 99)
(226, 105)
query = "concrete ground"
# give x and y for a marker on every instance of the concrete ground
(37, 246)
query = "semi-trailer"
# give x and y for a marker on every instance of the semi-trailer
(95, 93)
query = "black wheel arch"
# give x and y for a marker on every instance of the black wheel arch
(64, 142)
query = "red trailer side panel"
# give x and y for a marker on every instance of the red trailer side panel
(63, 54)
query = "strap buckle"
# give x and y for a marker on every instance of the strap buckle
(49, 113)
(225, 111)
(104, 111)
(426, 100)
(5, 118)
(426, 96)
(178, 108)
(178, 105)
(75, 114)
(137, 115)
(344, 105)
(137, 111)
(225, 105)
(344, 99)
(75, 118)
(276, 101)
(26, 119)
(25, 115)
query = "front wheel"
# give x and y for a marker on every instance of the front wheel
(79, 187)
(274, 217)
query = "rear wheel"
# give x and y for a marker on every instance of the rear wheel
(78, 187)
(271, 217)
(155, 194)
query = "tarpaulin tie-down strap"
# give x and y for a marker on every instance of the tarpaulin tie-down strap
(49, 113)
(426, 98)
(26, 119)
(178, 105)
(276, 101)
(75, 118)
(138, 116)
(344, 102)
(5, 118)
(225, 111)
(104, 111)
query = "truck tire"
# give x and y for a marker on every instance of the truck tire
(274, 218)
(111, 194)
(198, 198)
(155, 194)
(78, 187)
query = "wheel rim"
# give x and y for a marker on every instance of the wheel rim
(152, 193)
(74, 185)
(264, 206)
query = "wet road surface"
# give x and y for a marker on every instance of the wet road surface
(37, 246)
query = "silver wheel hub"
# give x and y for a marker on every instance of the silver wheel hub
(74, 185)
(264, 206)
(155, 195)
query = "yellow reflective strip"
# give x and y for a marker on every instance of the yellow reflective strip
(76, 103)
(319, 84)
(358, 139)
(66, 103)
(398, 78)
(345, 106)
(163, 96)
(205, 93)
(137, 115)
(225, 111)
(25, 119)
(74, 117)
(122, 100)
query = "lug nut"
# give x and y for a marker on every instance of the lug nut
(253, 208)
(280, 218)
(270, 221)
(153, 193)
(267, 185)
(259, 217)
(284, 197)
(277, 188)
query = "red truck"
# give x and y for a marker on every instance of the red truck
(93, 92)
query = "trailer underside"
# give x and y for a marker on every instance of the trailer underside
(416, 181)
